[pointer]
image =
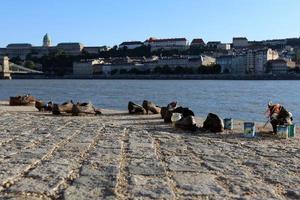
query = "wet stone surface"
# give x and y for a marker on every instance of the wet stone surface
(120, 156)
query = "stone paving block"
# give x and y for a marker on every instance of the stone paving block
(82, 192)
(197, 184)
(184, 164)
(101, 169)
(96, 180)
(30, 185)
(148, 187)
(145, 167)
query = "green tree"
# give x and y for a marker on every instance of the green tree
(166, 70)
(123, 71)
(113, 72)
(157, 70)
(134, 71)
(179, 70)
(29, 64)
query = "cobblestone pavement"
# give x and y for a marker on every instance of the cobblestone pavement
(117, 156)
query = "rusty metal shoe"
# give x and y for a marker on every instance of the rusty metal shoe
(135, 108)
(26, 100)
(150, 106)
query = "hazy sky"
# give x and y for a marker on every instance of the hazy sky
(109, 22)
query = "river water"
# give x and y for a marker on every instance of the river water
(244, 100)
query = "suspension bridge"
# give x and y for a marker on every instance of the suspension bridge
(8, 68)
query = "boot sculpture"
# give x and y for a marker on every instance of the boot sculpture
(84, 109)
(186, 123)
(213, 123)
(135, 108)
(66, 107)
(148, 105)
(26, 100)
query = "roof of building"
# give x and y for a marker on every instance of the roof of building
(165, 40)
(131, 43)
(197, 41)
(96, 47)
(239, 38)
(19, 45)
(68, 43)
(214, 42)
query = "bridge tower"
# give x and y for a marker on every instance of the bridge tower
(5, 73)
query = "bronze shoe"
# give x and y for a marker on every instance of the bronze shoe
(135, 108)
(213, 123)
(63, 108)
(83, 109)
(186, 123)
(148, 105)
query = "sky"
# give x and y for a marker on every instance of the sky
(110, 22)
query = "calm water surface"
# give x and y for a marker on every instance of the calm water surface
(244, 100)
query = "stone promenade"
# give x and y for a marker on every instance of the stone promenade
(118, 156)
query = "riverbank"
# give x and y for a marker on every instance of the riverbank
(165, 77)
(120, 156)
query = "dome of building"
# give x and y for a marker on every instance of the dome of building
(46, 41)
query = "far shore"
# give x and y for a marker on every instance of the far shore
(165, 77)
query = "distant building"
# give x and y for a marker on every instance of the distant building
(70, 48)
(20, 50)
(87, 67)
(256, 59)
(240, 42)
(198, 42)
(280, 66)
(278, 42)
(223, 46)
(95, 50)
(225, 62)
(213, 44)
(239, 64)
(46, 41)
(130, 45)
(167, 44)
(250, 61)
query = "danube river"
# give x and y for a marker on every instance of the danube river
(245, 100)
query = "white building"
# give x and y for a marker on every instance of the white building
(256, 59)
(130, 45)
(87, 67)
(167, 44)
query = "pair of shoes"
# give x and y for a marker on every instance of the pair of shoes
(85, 109)
(66, 107)
(186, 123)
(169, 112)
(135, 108)
(150, 106)
(26, 100)
(42, 107)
